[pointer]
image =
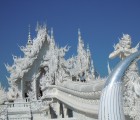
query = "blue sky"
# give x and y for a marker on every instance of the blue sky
(101, 24)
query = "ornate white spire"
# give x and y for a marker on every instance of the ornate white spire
(88, 56)
(92, 66)
(52, 42)
(92, 70)
(52, 37)
(29, 37)
(37, 26)
(79, 34)
(88, 50)
(80, 37)
(80, 47)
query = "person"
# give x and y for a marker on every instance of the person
(82, 77)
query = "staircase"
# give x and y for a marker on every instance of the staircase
(19, 111)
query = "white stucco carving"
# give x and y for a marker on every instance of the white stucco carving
(45, 85)
(131, 78)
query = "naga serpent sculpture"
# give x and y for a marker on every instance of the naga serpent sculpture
(111, 103)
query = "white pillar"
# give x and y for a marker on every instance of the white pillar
(65, 111)
(58, 110)
(35, 88)
(22, 89)
(49, 114)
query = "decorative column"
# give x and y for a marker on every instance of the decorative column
(49, 114)
(22, 89)
(35, 89)
(58, 109)
(65, 111)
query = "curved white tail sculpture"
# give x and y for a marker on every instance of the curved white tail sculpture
(111, 107)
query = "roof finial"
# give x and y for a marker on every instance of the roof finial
(79, 35)
(79, 32)
(92, 67)
(52, 33)
(29, 34)
(37, 27)
(29, 37)
(88, 48)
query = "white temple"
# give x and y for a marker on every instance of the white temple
(44, 85)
